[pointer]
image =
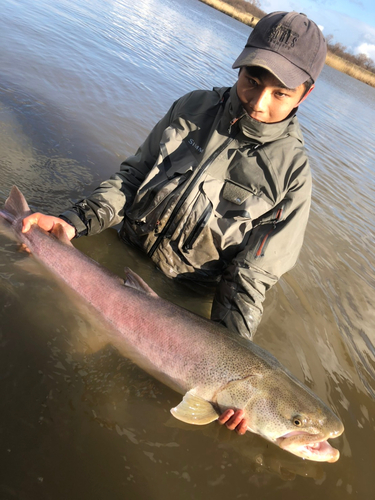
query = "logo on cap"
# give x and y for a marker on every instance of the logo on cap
(280, 35)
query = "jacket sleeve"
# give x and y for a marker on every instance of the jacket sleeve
(105, 207)
(272, 249)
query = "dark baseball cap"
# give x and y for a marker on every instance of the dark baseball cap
(287, 44)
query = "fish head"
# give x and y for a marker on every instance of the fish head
(286, 412)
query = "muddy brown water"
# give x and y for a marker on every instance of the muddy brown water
(81, 84)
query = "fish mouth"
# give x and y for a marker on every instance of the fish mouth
(310, 446)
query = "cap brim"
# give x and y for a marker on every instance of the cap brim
(289, 75)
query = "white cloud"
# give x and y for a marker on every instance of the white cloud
(366, 48)
(320, 27)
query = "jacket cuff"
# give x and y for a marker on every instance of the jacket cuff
(74, 220)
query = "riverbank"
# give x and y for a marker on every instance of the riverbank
(232, 12)
(350, 69)
(332, 60)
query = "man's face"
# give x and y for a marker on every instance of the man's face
(264, 97)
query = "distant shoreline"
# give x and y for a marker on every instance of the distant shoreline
(332, 60)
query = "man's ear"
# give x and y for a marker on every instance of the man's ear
(307, 93)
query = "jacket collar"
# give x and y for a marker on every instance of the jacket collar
(258, 131)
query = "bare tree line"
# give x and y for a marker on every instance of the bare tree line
(251, 7)
(361, 60)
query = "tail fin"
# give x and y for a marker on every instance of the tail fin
(16, 203)
(15, 206)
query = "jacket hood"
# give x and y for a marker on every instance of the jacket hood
(258, 131)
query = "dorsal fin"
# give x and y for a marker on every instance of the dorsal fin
(135, 281)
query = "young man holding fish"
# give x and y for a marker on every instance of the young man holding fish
(220, 190)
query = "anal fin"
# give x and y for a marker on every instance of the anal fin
(135, 281)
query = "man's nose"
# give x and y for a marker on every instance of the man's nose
(261, 100)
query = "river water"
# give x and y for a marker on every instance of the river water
(81, 84)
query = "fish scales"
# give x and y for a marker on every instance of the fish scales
(203, 356)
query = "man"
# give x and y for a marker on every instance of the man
(220, 190)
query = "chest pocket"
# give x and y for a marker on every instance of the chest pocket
(237, 195)
(223, 216)
(243, 201)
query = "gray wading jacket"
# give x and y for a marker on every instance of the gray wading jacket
(212, 195)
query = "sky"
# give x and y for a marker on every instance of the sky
(351, 22)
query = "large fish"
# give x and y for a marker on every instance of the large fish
(214, 368)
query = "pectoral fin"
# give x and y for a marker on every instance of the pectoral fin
(195, 410)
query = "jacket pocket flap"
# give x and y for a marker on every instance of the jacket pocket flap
(235, 193)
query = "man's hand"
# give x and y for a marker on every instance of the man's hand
(234, 420)
(47, 222)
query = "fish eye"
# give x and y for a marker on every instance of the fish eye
(297, 421)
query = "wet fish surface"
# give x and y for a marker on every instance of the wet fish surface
(214, 368)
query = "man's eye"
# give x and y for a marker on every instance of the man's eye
(252, 82)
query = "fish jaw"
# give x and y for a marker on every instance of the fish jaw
(310, 446)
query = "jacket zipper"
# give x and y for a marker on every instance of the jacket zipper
(260, 251)
(189, 189)
(202, 221)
